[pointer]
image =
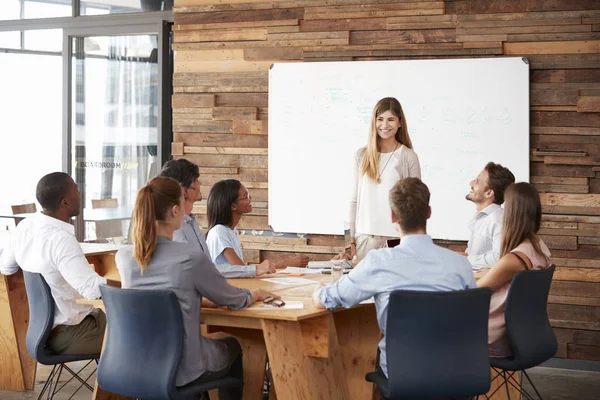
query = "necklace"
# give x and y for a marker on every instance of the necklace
(386, 163)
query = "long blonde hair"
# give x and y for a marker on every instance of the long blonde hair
(370, 162)
(152, 204)
(522, 218)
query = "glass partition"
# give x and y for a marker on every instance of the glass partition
(94, 7)
(114, 128)
(27, 9)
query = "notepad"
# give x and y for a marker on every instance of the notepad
(327, 264)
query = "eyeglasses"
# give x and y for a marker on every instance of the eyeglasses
(245, 197)
(272, 301)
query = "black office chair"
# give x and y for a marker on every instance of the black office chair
(41, 319)
(436, 344)
(527, 326)
(143, 347)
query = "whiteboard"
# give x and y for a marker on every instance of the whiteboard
(461, 113)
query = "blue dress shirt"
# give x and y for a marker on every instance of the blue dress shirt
(415, 264)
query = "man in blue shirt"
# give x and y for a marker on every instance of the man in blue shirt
(415, 264)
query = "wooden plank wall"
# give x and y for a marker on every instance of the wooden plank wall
(225, 47)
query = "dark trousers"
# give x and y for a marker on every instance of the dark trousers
(234, 368)
(83, 338)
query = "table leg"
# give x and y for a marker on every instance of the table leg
(105, 265)
(17, 368)
(358, 335)
(298, 375)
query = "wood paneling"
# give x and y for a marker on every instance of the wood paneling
(220, 108)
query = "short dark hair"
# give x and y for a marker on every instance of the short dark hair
(499, 179)
(409, 201)
(220, 198)
(52, 189)
(183, 171)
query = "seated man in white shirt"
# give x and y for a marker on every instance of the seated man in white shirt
(487, 192)
(415, 264)
(45, 243)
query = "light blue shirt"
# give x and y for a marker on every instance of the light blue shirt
(190, 233)
(415, 264)
(221, 237)
(486, 236)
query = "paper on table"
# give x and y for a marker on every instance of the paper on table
(289, 305)
(289, 281)
(319, 264)
(328, 264)
(297, 270)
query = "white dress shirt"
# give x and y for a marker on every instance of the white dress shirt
(486, 236)
(415, 264)
(48, 246)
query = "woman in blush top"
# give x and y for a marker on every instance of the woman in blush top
(521, 250)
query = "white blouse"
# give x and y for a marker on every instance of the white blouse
(369, 211)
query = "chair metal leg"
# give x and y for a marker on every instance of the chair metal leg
(86, 384)
(498, 375)
(509, 379)
(506, 385)
(47, 383)
(517, 386)
(52, 392)
(52, 383)
(76, 375)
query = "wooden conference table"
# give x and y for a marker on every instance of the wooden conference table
(314, 354)
(17, 368)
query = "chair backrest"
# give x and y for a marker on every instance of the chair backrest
(105, 203)
(526, 311)
(436, 344)
(23, 208)
(107, 229)
(144, 342)
(41, 316)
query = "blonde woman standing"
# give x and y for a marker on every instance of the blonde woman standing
(387, 158)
